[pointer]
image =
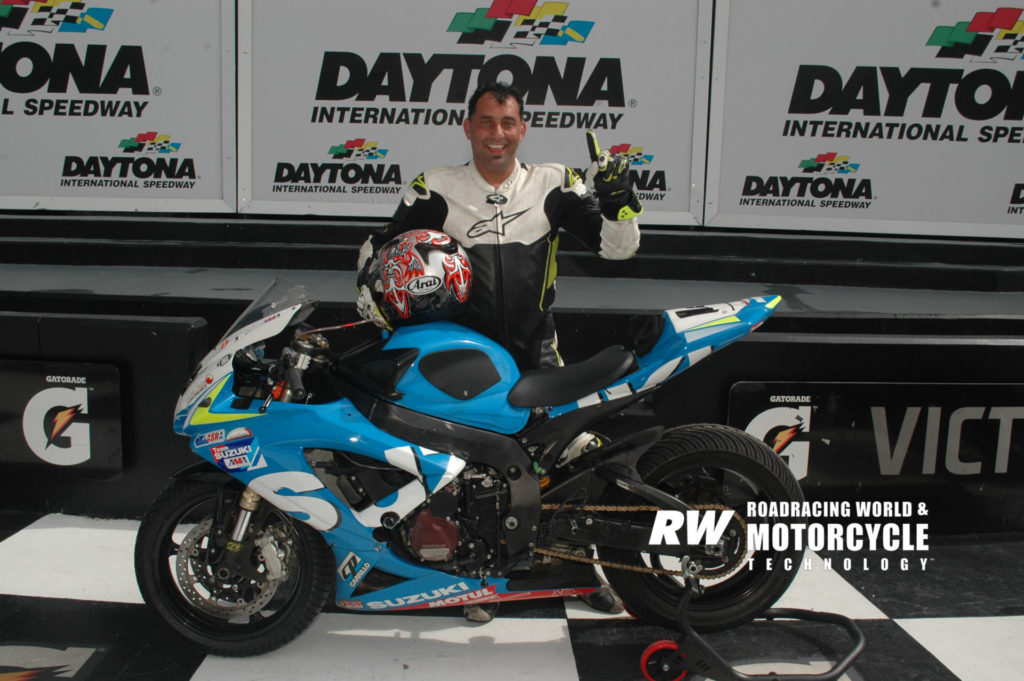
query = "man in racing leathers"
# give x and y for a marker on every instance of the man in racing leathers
(507, 215)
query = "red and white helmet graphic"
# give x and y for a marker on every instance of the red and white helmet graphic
(424, 274)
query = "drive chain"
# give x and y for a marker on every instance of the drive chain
(609, 564)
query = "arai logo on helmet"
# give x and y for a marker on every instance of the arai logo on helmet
(423, 285)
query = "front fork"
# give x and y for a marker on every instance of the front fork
(233, 560)
(248, 504)
(299, 354)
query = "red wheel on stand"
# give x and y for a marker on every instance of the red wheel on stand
(662, 661)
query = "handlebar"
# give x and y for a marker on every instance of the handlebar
(294, 378)
(287, 372)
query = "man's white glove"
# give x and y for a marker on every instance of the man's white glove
(368, 310)
(366, 306)
(365, 253)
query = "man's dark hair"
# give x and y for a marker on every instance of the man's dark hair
(501, 92)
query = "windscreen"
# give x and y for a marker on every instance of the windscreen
(280, 295)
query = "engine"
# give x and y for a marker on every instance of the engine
(459, 528)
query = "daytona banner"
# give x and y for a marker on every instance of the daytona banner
(367, 96)
(906, 121)
(117, 105)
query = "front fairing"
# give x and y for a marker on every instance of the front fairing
(280, 305)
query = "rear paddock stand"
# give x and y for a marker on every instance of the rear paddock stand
(667, 660)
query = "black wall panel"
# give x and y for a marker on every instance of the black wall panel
(153, 357)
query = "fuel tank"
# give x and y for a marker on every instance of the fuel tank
(448, 371)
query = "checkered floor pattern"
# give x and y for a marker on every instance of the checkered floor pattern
(70, 609)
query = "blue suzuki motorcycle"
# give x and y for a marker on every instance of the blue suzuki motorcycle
(422, 469)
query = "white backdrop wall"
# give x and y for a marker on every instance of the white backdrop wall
(347, 109)
(117, 105)
(819, 115)
(868, 116)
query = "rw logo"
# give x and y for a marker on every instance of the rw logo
(701, 527)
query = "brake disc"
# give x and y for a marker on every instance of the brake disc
(224, 599)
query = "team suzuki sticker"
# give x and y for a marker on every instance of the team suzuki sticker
(240, 451)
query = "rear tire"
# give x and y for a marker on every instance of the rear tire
(236, 616)
(718, 466)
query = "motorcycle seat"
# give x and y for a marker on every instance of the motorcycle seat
(560, 385)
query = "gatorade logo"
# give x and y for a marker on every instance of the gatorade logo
(51, 428)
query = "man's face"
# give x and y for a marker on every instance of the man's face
(494, 132)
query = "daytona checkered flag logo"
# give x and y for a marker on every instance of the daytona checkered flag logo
(47, 16)
(829, 164)
(988, 36)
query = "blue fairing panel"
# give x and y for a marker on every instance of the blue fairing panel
(431, 385)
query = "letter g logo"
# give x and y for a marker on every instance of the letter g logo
(782, 423)
(42, 437)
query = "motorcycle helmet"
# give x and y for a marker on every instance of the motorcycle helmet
(420, 276)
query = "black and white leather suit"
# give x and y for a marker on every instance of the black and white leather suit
(511, 235)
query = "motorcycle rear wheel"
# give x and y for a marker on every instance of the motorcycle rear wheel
(236, 617)
(714, 466)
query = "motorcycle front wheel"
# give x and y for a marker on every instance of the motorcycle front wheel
(710, 467)
(288, 576)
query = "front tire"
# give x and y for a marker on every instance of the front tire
(291, 577)
(719, 467)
